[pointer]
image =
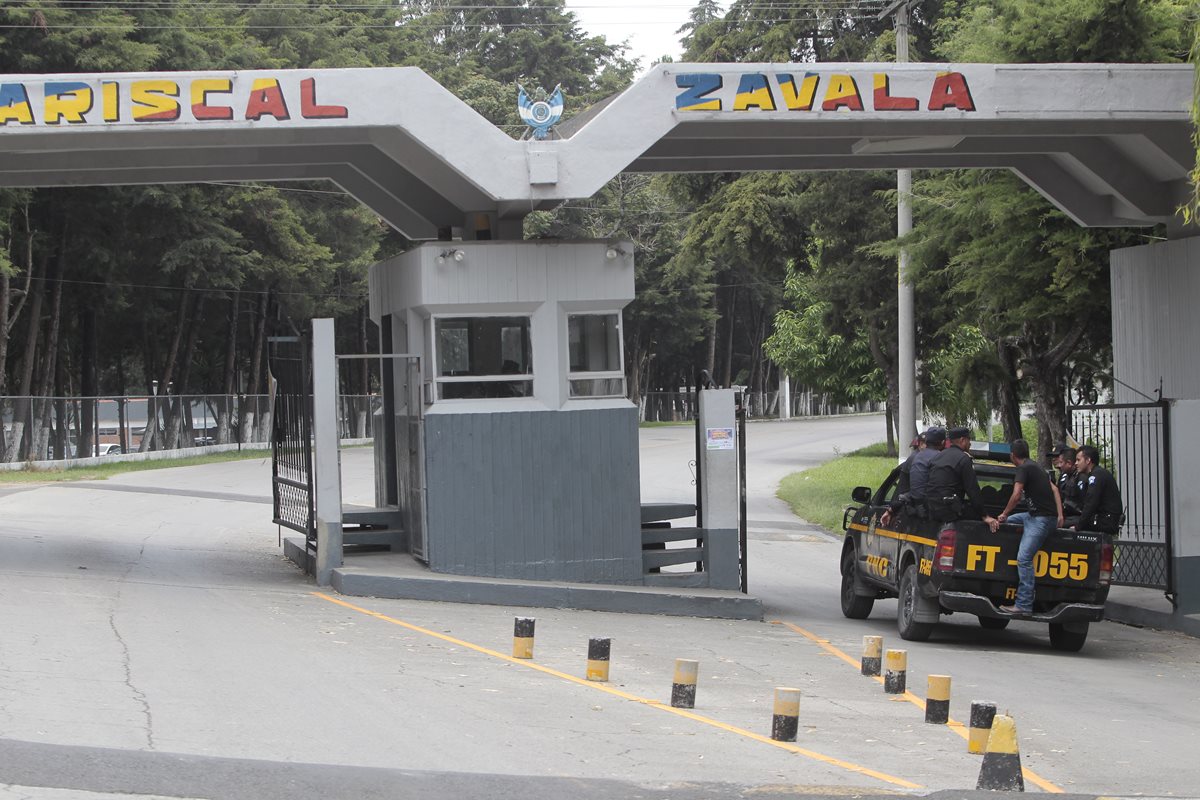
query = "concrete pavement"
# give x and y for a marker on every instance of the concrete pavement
(145, 631)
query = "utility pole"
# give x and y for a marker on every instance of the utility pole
(906, 329)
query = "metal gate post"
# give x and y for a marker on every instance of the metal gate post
(1172, 592)
(327, 478)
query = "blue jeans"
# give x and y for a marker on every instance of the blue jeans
(1037, 529)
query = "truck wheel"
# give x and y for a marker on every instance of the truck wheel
(910, 599)
(993, 623)
(854, 606)
(1069, 641)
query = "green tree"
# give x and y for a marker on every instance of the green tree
(1033, 282)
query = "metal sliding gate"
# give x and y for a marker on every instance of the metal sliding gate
(291, 440)
(1134, 444)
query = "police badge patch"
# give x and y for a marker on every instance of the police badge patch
(542, 113)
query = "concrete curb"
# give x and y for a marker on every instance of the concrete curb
(1188, 624)
(418, 583)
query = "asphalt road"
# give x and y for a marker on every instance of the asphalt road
(156, 643)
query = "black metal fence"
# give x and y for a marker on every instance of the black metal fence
(1134, 444)
(291, 440)
(52, 428)
(681, 406)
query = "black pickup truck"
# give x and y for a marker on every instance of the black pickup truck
(937, 568)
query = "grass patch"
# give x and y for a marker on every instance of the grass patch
(666, 424)
(820, 494)
(101, 472)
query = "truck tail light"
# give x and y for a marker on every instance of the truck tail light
(1106, 563)
(944, 559)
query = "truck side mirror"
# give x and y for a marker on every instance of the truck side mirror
(861, 494)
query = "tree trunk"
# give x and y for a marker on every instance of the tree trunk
(1009, 399)
(260, 327)
(87, 381)
(225, 410)
(8, 313)
(710, 359)
(889, 366)
(362, 403)
(51, 359)
(60, 406)
(889, 415)
(159, 397)
(180, 427)
(729, 331)
(633, 358)
(21, 406)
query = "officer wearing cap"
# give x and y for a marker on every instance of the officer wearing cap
(1068, 478)
(912, 482)
(903, 481)
(952, 491)
(918, 478)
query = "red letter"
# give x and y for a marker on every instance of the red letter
(308, 103)
(950, 90)
(884, 100)
(266, 98)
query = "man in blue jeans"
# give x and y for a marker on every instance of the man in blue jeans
(1030, 481)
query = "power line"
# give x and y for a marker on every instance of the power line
(435, 26)
(162, 5)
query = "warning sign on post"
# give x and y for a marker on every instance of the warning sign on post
(719, 438)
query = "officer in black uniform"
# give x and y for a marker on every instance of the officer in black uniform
(1102, 507)
(914, 475)
(1068, 479)
(952, 491)
(903, 484)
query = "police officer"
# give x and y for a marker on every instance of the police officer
(913, 480)
(952, 491)
(1102, 507)
(903, 483)
(1068, 486)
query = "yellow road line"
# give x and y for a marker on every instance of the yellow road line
(953, 725)
(791, 748)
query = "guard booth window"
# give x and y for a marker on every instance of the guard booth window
(595, 354)
(482, 357)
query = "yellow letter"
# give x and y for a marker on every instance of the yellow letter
(69, 101)
(153, 101)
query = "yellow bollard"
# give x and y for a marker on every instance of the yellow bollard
(523, 637)
(786, 720)
(599, 651)
(980, 728)
(872, 652)
(937, 700)
(683, 687)
(1001, 768)
(895, 675)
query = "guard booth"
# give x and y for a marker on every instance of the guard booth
(516, 450)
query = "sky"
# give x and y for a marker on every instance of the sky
(650, 27)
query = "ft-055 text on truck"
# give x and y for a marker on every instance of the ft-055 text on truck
(937, 568)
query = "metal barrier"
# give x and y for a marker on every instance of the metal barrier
(1134, 444)
(293, 500)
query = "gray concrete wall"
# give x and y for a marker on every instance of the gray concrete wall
(1185, 461)
(1156, 330)
(1156, 334)
(549, 495)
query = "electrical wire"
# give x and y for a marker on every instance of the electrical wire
(427, 24)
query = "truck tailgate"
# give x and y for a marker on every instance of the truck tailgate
(1068, 558)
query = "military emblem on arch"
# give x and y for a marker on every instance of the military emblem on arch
(542, 113)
